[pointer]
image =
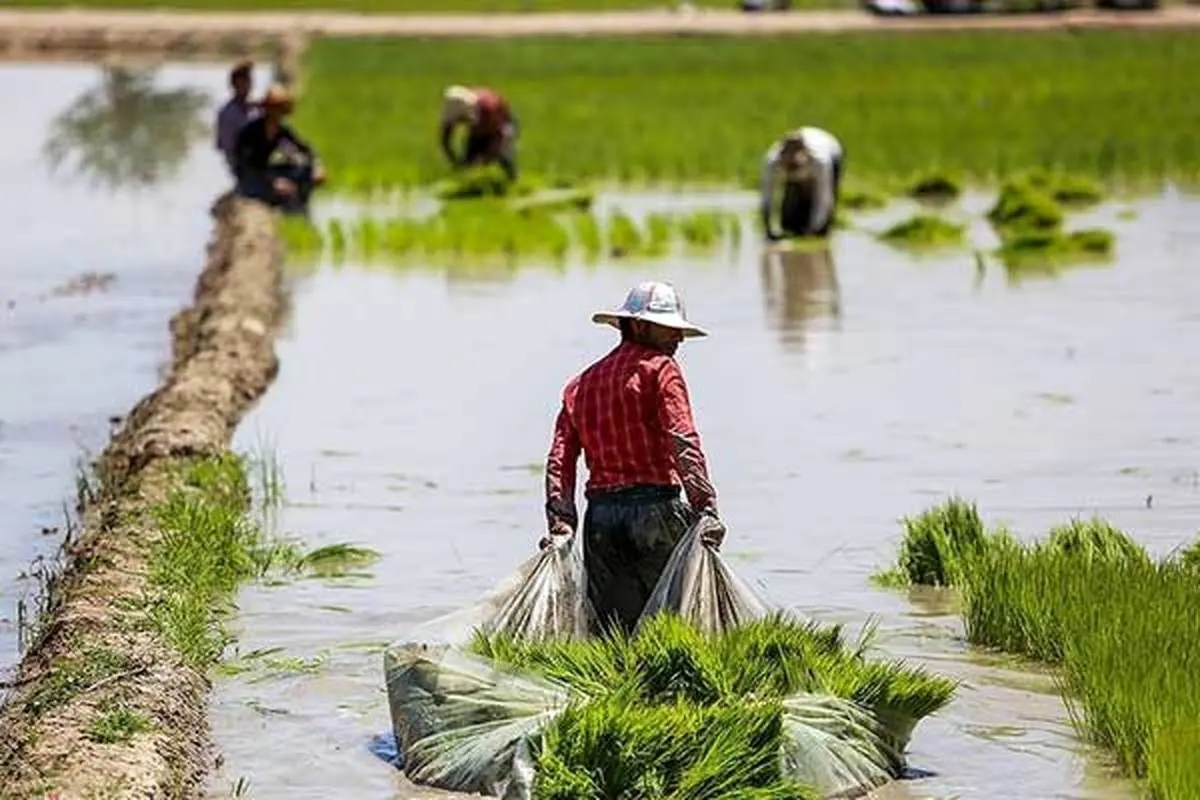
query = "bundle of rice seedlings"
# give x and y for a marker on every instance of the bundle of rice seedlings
(940, 542)
(925, 231)
(645, 703)
(680, 750)
(935, 189)
(1023, 206)
(1094, 540)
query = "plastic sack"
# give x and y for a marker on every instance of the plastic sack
(833, 745)
(462, 722)
(699, 586)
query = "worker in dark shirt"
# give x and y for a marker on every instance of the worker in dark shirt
(491, 128)
(271, 162)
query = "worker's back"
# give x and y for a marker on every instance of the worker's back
(616, 408)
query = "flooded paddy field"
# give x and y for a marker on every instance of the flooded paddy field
(837, 394)
(96, 256)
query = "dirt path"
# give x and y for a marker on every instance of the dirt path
(95, 652)
(123, 23)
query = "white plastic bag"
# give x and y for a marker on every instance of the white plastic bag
(462, 722)
(700, 587)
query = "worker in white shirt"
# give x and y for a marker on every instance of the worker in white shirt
(810, 161)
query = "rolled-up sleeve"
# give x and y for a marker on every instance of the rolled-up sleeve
(562, 465)
(675, 414)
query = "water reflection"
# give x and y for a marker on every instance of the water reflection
(126, 131)
(800, 286)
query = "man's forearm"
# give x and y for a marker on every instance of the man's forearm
(693, 473)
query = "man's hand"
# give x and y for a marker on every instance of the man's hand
(319, 175)
(714, 531)
(557, 529)
(283, 186)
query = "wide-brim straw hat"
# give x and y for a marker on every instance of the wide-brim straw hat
(459, 102)
(276, 96)
(652, 301)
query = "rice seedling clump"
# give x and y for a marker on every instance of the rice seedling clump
(672, 712)
(1090, 600)
(925, 231)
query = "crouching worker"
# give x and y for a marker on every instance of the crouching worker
(810, 162)
(271, 162)
(630, 417)
(491, 128)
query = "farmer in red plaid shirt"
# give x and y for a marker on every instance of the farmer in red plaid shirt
(630, 416)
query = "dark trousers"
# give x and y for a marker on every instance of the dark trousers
(628, 535)
(796, 206)
(483, 147)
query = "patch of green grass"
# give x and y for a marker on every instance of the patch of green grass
(118, 724)
(1116, 106)
(1090, 601)
(862, 200)
(925, 232)
(336, 559)
(71, 677)
(208, 548)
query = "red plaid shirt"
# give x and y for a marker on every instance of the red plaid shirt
(630, 415)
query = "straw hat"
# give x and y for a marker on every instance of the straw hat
(458, 102)
(277, 95)
(652, 301)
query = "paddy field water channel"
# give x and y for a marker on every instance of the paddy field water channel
(92, 265)
(836, 395)
(413, 409)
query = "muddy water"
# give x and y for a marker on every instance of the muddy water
(89, 275)
(835, 396)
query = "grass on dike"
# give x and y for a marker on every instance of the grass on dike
(671, 712)
(1119, 106)
(1119, 624)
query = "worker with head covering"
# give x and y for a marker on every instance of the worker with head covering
(491, 128)
(272, 163)
(630, 417)
(810, 162)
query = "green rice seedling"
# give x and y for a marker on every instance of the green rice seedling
(1112, 105)
(939, 542)
(588, 236)
(676, 751)
(1189, 556)
(660, 230)
(299, 236)
(336, 559)
(1094, 539)
(862, 200)
(1090, 601)
(1047, 250)
(624, 238)
(935, 188)
(1074, 191)
(924, 232)
(1023, 207)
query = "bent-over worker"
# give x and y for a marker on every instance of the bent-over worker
(630, 416)
(491, 128)
(271, 162)
(810, 161)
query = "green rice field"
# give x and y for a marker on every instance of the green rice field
(1116, 106)
(1118, 624)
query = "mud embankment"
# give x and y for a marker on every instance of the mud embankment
(92, 650)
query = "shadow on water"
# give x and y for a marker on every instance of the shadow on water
(129, 131)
